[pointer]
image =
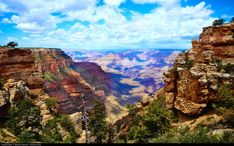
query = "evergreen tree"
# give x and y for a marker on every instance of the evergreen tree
(218, 22)
(12, 44)
(98, 124)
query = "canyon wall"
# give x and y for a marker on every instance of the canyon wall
(193, 82)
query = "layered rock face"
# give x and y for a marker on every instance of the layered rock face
(48, 71)
(194, 80)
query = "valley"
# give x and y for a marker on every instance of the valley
(130, 74)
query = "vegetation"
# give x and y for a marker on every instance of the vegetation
(51, 102)
(51, 130)
(50, 77)
(155, 121)
(26, 137)
(198, 135)
(12, 44)
(98, 125)
(232, 20)
(132, 110)
(229, 68)
(225, 103)
(218, 22)
(23, 116)
(219, 65)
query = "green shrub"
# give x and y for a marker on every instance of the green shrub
(225, 103)
(50, 77)
(229, 68)
(132, 110)
(24, 115)
(51, 102)
(158, 118)
(185, 135)
(26, 137)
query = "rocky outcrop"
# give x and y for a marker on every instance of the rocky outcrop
(94, 75)
(194, 80)
(48, 71)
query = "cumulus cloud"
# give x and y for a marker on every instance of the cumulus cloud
(114, 2)
(166, 26)
(160, 2)
(6, 20)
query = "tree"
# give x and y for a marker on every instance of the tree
(12, 44)
(158, 118)
(98, 125)
(218, 22)
(232, 20)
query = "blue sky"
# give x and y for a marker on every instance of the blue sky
(108, 24)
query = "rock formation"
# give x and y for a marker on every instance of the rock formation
(48, 71)
(194, 80)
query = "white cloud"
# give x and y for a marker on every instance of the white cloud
(166, 26)
(114, 2)
(160, 2)
(6, 20)
(3, 7)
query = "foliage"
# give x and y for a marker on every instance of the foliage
(185, 135)
(23, 116)
(158, 118)
(63, 71)
(219, 65)
(50, 132)
(38, 58)
(138, 133)
(155, 120)
(98, 125)
(218, 22)
(12, 44)
(50, 77)
(225, 103)
(26, 137)
(51, 102)
(229, 68)
(132, 110)
(232, 20)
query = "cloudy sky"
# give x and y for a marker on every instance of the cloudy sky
(108, 24)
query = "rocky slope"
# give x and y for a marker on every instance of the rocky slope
(48, 71)
(194, 80)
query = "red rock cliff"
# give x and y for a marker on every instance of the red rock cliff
(48, 71)
(194, 80)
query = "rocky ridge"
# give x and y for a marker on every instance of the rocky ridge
(192, 84)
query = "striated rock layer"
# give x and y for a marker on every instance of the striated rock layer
(48, 71)
(194, 80)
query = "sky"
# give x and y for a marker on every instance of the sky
(108, 24)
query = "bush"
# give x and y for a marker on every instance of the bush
(23, 116)
(158, 118)
(12, 44)
(218, 22)
(184, 135)
(50, 77)
(51, 102)
(154, 121)
(232, 20)
(225, 103)
(26, 137)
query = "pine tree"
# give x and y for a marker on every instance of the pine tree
(98, 124)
